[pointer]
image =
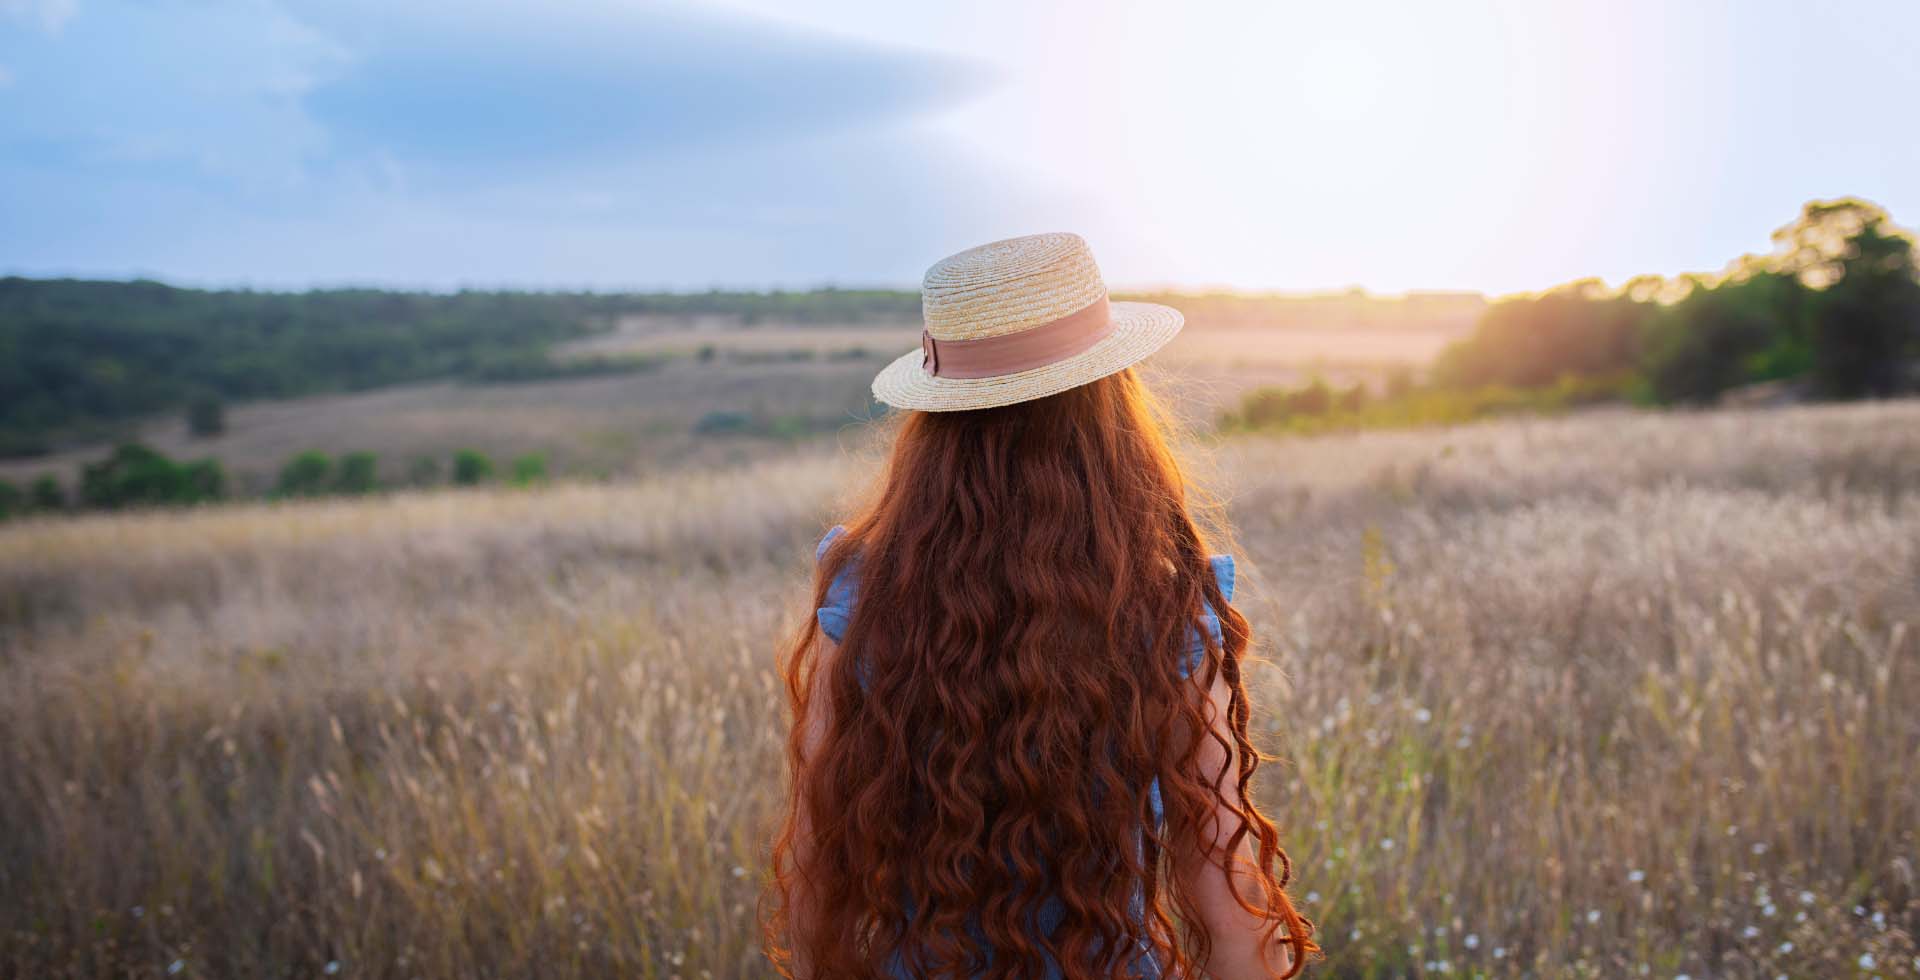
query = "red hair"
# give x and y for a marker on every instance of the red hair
(1005, 693)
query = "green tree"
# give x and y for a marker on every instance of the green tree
(1727, 335)
(358, 473)
(1579, 330)
(305, 475)
(530, 469)
(1866, 314)
(206, 416)
(471, 468)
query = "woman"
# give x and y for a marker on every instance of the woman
(1020, 722)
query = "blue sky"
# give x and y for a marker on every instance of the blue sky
(1484, 144)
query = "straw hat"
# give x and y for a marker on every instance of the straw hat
(1016, 320)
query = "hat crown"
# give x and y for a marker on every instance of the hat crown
(1008, 286)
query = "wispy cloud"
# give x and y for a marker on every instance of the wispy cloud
(301, 140)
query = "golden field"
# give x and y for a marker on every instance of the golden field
(1612, 694)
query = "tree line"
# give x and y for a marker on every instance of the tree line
(80, 358)
(1832, 312)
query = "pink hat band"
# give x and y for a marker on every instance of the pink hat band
(992, 357)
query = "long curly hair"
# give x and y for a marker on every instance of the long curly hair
(1006, 692)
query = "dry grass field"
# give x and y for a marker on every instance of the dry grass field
(1607, 695)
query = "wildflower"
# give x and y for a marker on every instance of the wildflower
(1636, 876)
(1786, 947)
(1593, 916)
(1423, 716)
(138, 911)
(1767, 910)
(1499, 952)
(1386, 844)
(1806, 898)
(1879, 920)
(332, 967)
(1749, 932)
(1759, 849)
(176, 966)
(739, 872)
(1867, 962)
(1313, 897)
(1472, 941)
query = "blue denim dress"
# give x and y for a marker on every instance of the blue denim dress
(838, 612)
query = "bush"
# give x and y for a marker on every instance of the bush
(135, 475)
(357, 474)
(529, 469)
(12, 500)
(471, 468)
(305, 475)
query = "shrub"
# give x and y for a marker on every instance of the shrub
(12, 500)
(471, 468)
(135, 475)
(358, 474)
(529, 469)
(305, 475)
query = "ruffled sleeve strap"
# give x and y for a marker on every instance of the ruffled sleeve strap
(834, 616)
(1223, 573)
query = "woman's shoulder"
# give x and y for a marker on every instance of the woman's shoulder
(1223, 573)
(834, 616)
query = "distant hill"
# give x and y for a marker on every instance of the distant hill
(79, 358)
(82, 359)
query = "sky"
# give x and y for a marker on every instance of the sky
(1492, 145)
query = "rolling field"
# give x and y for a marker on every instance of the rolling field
(797, 384)
(1612, 694)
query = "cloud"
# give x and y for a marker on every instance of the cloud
(489, 89)
(432, 143)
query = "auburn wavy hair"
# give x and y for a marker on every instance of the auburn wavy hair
(1008, 688)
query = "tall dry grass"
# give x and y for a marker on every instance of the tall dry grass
(1602, 695)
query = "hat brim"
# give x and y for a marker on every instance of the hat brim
(1139, 329)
